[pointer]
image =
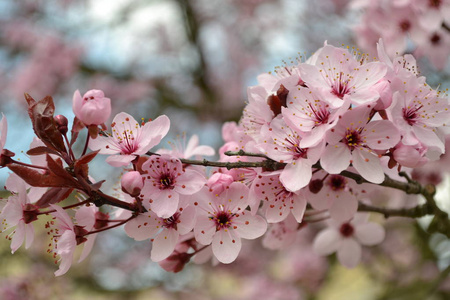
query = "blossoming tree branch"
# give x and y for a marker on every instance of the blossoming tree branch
(316, 141)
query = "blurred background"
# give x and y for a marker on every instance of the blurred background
(193, 60)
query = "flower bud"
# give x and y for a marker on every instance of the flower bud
(218, 182)
(132, 183)
(61, 123)
(315, 186)
(93, 108)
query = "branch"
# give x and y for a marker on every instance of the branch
(414, 212)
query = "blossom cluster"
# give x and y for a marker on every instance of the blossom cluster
(425, 23)
(282, 167)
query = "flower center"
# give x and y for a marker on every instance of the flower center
(346, 230)
(337, 182)
(435, 39)
(341, 87)
(353, 139)
(410, 115)
(319, 115)
(223, 220)
(172, 221)
(166, 182)
(405, 25)
(435, 3)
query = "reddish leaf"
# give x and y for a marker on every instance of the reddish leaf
(41, 150)
(87, 158)
(77, 126)
(53, 196)
(81, 167)
(41, 115)
(55, 166)
(48, 179)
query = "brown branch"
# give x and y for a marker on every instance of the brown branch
(414, 212)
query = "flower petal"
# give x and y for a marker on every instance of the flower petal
(226, 245)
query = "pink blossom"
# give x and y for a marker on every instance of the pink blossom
(306, 113)
(165, 232)
(191, 150)
(354, 140)
(339, 79)
(93, 108)
(281, 235)
(410, 156)
(64, 238)
(432, 14)
(436, 48)
(257, 112)
(129, 139)
(89, 218)
(419, 112)
(218, 182)
(346, 239)
(282, 144)
(278, 201)
(222, 221)
(19, 212)
(335, 195)
(165, 181)
(132, 183)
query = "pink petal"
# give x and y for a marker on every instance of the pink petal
(152, 133)
(85, 217)
(235, 197)
(164, 244)
(429, 138)
(187, 220)
(368, 165)
(370, 234)
(327, 241)
(106, 145)
(140, 228)
(381, 135)
(276, 212)
(296, 175)
(18, 237)
(226, 245)
(165, 204)
(120, 160)
(29, 234)
(204, 230)
(349, 253)
(250, 227)
(189, 182)
(336, 158)
(87, 246)
(299, 207)
(344, 207)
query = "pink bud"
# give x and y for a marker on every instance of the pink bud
(410, 156)
(93, 108)
(132, 183)
(218, 182)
